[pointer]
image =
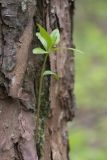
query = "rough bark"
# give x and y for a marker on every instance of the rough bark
(17, 98)
(19, 76)
(61, 92)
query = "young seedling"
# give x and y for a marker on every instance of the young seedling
(49, 43)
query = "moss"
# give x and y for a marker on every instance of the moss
(45, 109)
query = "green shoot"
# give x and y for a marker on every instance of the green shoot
(39, 51)
(49, 43)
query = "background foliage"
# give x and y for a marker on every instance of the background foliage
(88, 135)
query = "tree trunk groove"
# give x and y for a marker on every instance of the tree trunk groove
(19, 77)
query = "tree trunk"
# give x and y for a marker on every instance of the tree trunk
(19, 77)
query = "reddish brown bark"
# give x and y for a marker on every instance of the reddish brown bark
(17, 125)
(19, 76)
(61, 92)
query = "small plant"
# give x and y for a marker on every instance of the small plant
(49, 43)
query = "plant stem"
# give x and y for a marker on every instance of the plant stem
(39, 95)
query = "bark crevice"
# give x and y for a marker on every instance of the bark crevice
(18, 154)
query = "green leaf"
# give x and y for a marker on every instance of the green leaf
(45, 35)
(55, 37)
(48, 72)
(42, 40)
(39, 51)
(71, 49)
(76, 50)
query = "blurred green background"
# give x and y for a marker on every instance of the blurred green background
(87, 136)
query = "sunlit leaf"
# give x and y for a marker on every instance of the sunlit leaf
(42, 40)
(45, 36)
(48, 72)
(39, 51)
(55, 37)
